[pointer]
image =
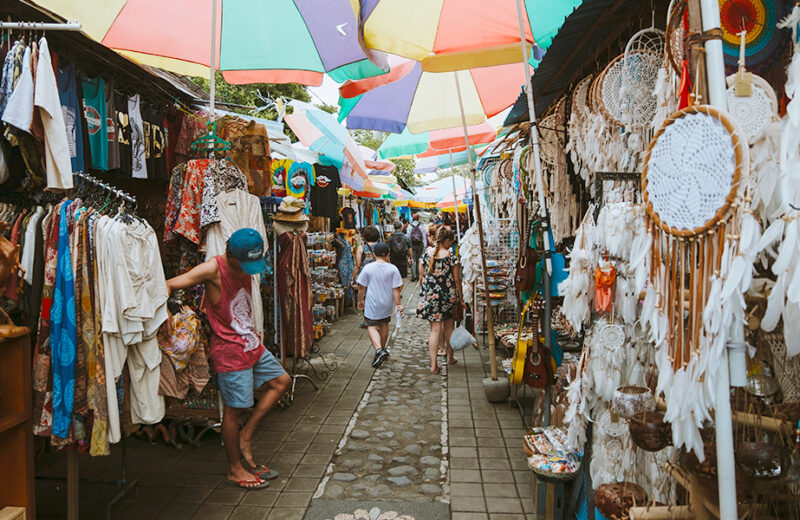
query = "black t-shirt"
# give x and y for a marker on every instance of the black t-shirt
(155, 143)
(123, 131)
(348, 218)
(324, 197)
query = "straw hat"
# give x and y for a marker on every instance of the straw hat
(291, 210)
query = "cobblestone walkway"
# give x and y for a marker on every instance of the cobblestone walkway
(393, 447)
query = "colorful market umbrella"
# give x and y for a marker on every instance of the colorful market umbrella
(435, 142)
(281, 41)
(424, 101)
(322, 133)
(447, 35)
(442, 162)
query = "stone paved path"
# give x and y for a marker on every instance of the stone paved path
(392, 448)
(481, 471)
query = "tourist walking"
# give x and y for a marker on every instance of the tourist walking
(400, 247)
(379, 294)
(440, 293)
(418, 236)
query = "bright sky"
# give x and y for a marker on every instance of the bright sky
(328, 92)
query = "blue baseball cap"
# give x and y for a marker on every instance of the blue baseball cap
(247, 246)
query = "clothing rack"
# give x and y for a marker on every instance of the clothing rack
(71, 25)
(113, 190)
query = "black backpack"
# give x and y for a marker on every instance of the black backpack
(416, 234)
(397, 245)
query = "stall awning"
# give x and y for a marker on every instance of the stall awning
(596, 30)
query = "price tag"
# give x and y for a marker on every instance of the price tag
(743, 84)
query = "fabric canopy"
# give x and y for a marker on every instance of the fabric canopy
(435, 142)
(281, 41)
(459, 34)
(322, 133)
(424, 101)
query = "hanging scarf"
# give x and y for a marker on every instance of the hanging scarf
(63, 333)
(294, 289)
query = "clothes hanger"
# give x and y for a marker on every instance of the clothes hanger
(210, 142)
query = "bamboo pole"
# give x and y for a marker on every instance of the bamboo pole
(481, 238)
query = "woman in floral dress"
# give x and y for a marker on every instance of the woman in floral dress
(440, 293)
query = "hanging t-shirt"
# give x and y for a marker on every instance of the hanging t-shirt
(71, 108)
(299, 179)
(123, 131)
(94, 111)
(155, 143)
(280, 172)
(111, 127)
(324, 195)
(348, 218)
(173, 119)
(138, 165)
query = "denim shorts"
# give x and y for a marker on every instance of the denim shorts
(236, 388)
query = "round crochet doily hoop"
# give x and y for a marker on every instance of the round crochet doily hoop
(692, 170)
(611, 336)
(752, 113)
(552, 134)
(627, 87)
(580, 96)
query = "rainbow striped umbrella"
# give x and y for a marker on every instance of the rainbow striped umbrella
(280, 41)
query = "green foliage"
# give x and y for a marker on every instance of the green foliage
(374, 139)
(248, 95)
(331, 109)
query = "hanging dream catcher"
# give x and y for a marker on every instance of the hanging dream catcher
(689, 182)
(751, 100)
(676, 35)
(627, 88)
(551, 134)
(754, 112)
(759, 18)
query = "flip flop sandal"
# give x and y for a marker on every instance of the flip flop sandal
(248, 484)
(263, 472)
(452, 362)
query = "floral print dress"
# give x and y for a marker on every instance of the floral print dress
(438, 294)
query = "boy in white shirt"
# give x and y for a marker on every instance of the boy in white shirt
(380, 289)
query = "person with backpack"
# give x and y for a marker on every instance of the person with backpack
(365, 254)
(417, 234)
(399, 245)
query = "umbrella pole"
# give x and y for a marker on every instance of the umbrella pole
(212, 77)
(548, 271)
(482, 239)
(455, 202)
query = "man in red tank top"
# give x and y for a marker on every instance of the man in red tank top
(241, 362)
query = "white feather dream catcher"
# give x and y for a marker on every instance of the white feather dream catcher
(784, 298)
(694, 186)
(578, 119)
(641, 65)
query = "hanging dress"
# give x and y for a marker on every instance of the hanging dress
(345, 265)
(294, 289)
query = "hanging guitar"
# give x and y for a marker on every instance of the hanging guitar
(523, 347)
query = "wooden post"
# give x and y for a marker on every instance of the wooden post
(695, 50)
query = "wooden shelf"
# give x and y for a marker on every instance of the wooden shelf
(8, 421)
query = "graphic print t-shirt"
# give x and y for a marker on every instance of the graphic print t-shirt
(138, 165)
(94, 111)
(348, 218)
(324, 195)
(71, 107)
